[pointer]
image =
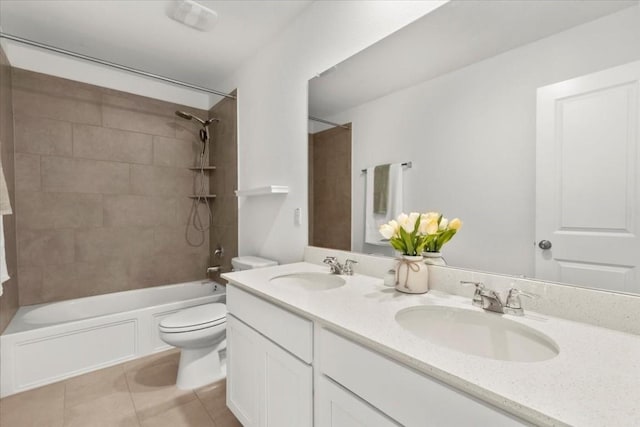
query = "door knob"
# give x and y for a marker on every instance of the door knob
(544, 244)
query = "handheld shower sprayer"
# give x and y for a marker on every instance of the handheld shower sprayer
(204, 132)
(190, 116)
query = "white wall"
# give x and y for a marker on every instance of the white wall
(272, 112)
(471, 137)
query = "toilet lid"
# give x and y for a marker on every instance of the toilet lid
(198, 317)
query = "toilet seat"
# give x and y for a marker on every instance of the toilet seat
(195, 318)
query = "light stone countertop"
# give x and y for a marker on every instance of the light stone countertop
(594, 380)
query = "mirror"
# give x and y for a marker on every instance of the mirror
(455, 93)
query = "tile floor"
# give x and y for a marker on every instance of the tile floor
(139, 393)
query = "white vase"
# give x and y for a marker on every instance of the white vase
(433, 258)
(412, 275)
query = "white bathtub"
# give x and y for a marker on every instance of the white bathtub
(46, 343)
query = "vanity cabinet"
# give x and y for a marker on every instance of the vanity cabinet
(268, 384)
(275, 364)
(402, 394)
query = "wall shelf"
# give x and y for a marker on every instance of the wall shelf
(207, 168)
(263, 191)
(205, 196)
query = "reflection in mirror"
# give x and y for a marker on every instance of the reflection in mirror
(521, 118)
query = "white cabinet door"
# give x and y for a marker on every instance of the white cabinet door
(266, 385)
(288, 389)
(336, 407)
(587, 180)
(244, 374)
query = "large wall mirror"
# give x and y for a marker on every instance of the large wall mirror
(519, 117)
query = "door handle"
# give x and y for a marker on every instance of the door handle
(544, 244)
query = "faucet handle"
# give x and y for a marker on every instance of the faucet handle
(330, 260)
(513, 305)
(477, 295)
(348, 267)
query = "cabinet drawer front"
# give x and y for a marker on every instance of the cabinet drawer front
(405, 395)
(288, 330)
(337, 407)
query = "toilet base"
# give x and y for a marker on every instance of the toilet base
(199, 367)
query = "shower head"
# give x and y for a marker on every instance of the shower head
(189, 116)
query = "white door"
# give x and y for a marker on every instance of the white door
(588, 180)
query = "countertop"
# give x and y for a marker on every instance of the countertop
(593, 381)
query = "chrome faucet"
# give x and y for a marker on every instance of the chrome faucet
(490, 300)
(337, 268)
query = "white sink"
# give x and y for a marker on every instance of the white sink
(309, 281)
(478, 333)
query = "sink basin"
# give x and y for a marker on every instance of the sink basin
(478, 333)
(309, 281)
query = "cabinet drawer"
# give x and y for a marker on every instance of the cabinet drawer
(405, 395)
(288, 330)
(337, 407)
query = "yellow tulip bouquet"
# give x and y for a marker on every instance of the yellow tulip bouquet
(416, 233)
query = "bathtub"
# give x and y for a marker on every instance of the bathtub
(46, 343)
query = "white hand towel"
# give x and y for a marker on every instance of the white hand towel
(373, 221)
(5, 209)
(4, 273)
(5, 204)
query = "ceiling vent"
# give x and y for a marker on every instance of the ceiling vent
(193, 15)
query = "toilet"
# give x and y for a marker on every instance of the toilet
(200, 333)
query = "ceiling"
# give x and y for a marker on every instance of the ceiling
(455, 35)
(139, 34)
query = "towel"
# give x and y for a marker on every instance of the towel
(5, 204)
(5, 209)
(380, 189)
(373, 221)
(4, 273)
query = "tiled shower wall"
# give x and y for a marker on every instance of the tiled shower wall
(9, 298)
(224, 231)
(101, 188)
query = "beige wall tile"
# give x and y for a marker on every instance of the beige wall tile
(76, 139)
(174, 240)
(45, 247)
(94, 142)
(175, 152)
(27, 102)
(132, 210)
(65, 175)
(27, 171)
(129, 101)
(86, 279)
(135, 121)
(30, 285)
(39, 211)
(67, 281)
(158, 269)
(54, 86)
(158, 180)
(97, 244)
(42, 136)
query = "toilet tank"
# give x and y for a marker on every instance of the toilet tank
(248, 262)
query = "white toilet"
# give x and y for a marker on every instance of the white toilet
(200, 333)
